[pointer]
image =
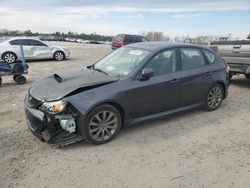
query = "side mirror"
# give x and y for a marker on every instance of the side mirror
(147, 73)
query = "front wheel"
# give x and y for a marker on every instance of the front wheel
(214, 97)
(101, 125)
(59, 56)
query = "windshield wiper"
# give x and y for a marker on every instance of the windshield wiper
(100, 70)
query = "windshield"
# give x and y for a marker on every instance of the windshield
(121, 62)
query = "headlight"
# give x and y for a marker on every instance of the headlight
(54, 107)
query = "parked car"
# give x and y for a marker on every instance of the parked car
(125, 39)
(93, 42)
(236, 54)
(135, 83)
(33, 49)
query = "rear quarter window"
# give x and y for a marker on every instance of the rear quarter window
(210, 56)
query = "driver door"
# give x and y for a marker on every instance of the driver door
(39, 49)
(161, 92)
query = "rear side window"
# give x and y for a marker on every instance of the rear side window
(137, 39)
(23, 42)
(128, 39)
(210, 56)
(191, 58)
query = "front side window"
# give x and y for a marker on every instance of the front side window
(121, 62)
(163, 62)
(36, 43)
(191, 58)
(210, 56)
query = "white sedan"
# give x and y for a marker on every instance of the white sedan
(33, 49)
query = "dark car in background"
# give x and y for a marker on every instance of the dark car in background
(132, 84)
(125, 39)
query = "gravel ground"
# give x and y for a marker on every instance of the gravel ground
(191, 149)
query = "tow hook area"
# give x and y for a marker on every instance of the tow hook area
(67, 122)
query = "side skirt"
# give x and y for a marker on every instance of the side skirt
(166, 113)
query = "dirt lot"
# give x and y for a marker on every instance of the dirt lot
(193, 149)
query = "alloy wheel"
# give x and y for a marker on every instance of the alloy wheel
(214, 97)
(9, 58)
(103, 125)
(59, 56)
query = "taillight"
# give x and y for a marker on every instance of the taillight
(228, 68)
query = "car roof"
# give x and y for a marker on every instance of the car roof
(155, 45)
(17, 38)
(129, 35)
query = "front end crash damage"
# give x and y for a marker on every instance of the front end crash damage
(51, 115)
(56, 129)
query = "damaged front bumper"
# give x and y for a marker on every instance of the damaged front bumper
(55, 129)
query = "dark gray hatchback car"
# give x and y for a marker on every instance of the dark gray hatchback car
(132, 84)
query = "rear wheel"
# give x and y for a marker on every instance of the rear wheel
(19, 79)
(101, 125)
(59, 56)
(9, 57)
(214, 97)
(14, 77)
(247, 76)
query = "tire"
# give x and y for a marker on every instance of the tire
(20, 80)
(1, 81)
(214, 97)
(101, 125)
(247, 76)
(231, 75)
(59, 56)
(14, 77)
(9, 57)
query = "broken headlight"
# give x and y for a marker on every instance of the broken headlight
(54, 107)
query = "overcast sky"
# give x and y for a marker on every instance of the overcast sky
(110, 17)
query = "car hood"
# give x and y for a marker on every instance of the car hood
(64, 83)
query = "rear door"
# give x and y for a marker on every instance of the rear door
(26, 47)
(39, 49)
(195, 76)
(161, 92)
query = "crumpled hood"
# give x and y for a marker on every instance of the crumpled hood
(63, 83)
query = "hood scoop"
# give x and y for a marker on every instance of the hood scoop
(58, 78)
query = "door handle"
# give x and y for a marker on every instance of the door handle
(208, 73)
(236, 51)
(237, 46)
(174, 80)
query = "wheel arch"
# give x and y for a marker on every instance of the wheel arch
(59, 50)
(224, 88)
(9, 52)
(112, 103)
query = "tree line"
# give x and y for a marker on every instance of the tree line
(70, 34)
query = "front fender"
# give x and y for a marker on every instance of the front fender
(86, 101)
